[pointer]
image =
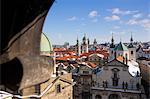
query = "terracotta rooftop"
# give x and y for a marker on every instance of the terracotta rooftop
(103, 52)
(92, 64)
(65, 58)
(120, 58)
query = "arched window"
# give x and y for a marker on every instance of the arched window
(112, 52)
(131, 52)
(98, 97)
(114, 96)
(115, 76)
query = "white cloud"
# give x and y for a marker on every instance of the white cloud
(148, 15)
(93, 14)
(121, 12)
(145, 23)
(116, 27)
(112, 18)
(132, 22)
(139, 15)
(73, 18)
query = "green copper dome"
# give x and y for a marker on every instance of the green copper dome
(121, 47)
(45, 44)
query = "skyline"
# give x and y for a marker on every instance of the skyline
(69, 19)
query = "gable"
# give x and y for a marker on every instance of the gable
(63, 81)
(115, 62)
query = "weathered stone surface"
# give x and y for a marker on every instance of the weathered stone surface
(35, 70)
(21, 32)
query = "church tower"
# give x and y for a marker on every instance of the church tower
(132, 50)
(88, 40)
(111, 49)
(84, 47)
(95, 42)
(78, 51)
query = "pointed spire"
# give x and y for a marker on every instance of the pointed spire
(77, 41)
(112, 39)
(84, 38)
(131, 42)
(95, 42)
(112, 42)
(131, 39)
(88, 41)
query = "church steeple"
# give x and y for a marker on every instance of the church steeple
(95, 42)
(78, 47)
(84, 46)
(132, 50)
(84, 38)
(131, 42)
(88, 40)
(77, 41)
(131, 39)
(112, 42)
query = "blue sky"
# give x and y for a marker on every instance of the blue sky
(68, 19)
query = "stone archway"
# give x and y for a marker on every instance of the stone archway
(98, 97)
(22, 23)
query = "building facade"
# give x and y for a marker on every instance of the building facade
(115, 82)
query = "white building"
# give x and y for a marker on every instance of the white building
(128, 53)
(115, 82)
(83, 47)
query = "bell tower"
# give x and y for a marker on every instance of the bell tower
(111, 49)
(84, 45)
(132, 50)
(78, 51)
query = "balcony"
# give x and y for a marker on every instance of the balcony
(119, 88)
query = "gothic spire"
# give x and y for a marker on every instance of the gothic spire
(131, 42)
(112, 42)
(95, 42)
(77, 41)
(88, 41)
(131, 39)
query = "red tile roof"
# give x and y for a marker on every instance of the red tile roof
(65, 58)
(92, 64)
(103, 52)
(120, 58)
